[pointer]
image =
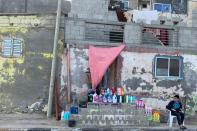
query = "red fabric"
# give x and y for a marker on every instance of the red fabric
(99, 60)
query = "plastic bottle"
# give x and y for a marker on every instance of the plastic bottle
(120, 100)
(62, 115)
(114, 98)
(94, 98)
(127, 99)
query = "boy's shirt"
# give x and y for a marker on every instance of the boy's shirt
(176, 105)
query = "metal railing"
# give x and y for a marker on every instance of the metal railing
(159, 36)
(104, 32)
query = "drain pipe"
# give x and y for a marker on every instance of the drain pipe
(53, 68)
(68, 75)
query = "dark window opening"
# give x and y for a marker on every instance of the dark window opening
(144, 5)
(162, 22)
(116, 36)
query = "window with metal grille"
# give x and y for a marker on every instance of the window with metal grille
(11, 47)
(168, 67)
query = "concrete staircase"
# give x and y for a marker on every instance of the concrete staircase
(97, 115)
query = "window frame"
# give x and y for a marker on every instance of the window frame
(179, 58)
(126, 2)
(162, 4)
(13, 45)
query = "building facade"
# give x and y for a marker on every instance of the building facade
(159, 59)
(26, 44)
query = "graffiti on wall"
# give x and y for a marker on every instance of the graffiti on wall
(156, 116)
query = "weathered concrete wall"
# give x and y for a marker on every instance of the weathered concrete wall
(24, 80)
(133, 4)
(137, 79)
(74, 30)
(89, 9)
(187, 37)
(192, 7)
(79, 79)
(133, 34)
(33, 6)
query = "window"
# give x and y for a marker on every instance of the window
(162, 7)
(168, 67)
(11, 47)
(118, 4)
(126, 4)
(144, 5)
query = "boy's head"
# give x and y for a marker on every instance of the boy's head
(176, 97)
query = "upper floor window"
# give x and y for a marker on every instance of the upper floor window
(119, 4)
(125, 4)
(162, 7)
(168, 67)
(11, 47)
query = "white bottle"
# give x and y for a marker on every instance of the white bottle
(120, 101)
(114, 98)
(127, 99)
(62, 115)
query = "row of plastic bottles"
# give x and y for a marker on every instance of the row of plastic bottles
(109, 97)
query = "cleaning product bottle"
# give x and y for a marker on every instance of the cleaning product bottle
(114, 99)
(62, 115)
(95, 98)
(110, 97)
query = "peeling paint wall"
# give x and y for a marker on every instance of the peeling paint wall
(79, 79)
(137, 79)
(24, 80)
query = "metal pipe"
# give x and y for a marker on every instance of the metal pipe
(68, 74)
(53, 68)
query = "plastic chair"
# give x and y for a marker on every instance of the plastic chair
(170, 119)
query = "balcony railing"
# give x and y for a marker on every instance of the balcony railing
(102, 32)
(159, 36)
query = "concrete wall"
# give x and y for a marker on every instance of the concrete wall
(74, 30)
(192, 7)
(187, 37)
(133, 34)
(89, 9)
(24, 80)
(194, 17)
(32, 6)
(133, 4)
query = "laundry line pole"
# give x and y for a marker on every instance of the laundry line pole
(53, 68)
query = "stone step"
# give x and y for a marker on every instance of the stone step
(110, 115)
